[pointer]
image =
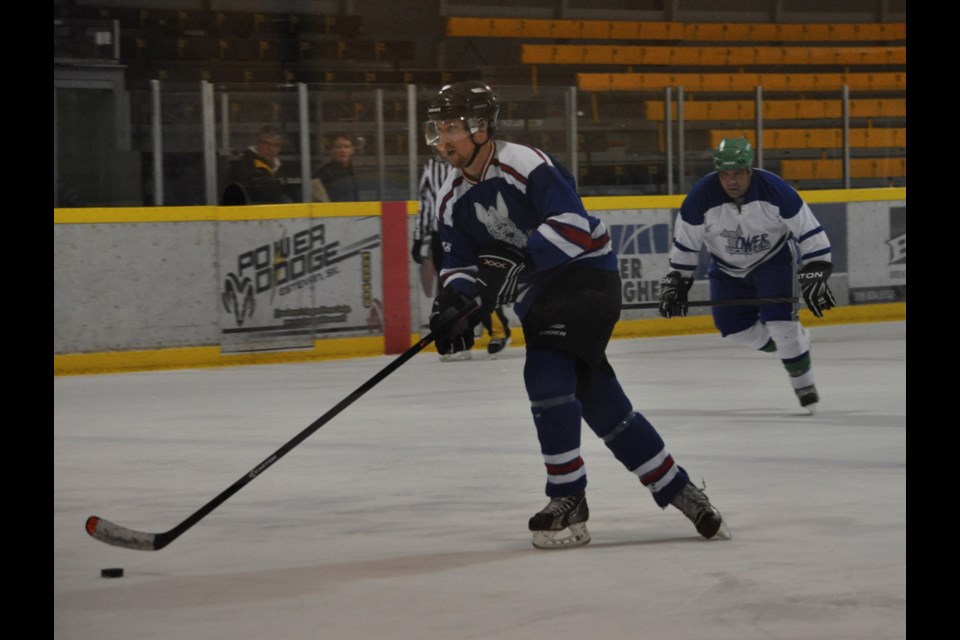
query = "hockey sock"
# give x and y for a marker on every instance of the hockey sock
(551, 384)
(630, 436)
(794, 351)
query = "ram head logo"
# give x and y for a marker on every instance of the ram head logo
(238, 298)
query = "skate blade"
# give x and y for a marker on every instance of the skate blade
(460, 356)
(723, 533)
(811, 408)
(495, 348)
(576, 535)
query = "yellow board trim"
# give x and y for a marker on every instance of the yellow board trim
(338, 348)
(211, 356)
(613, 203)
(885, 194)
(659, 327)
(218, 214)
(123, 215)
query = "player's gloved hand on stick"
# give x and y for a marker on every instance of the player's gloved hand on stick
(452, 337)
(415, 250)
(500, 266)
(813, 285)
(673, 294)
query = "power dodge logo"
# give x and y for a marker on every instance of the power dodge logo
(285, 265)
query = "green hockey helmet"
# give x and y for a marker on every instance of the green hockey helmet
(733, 153)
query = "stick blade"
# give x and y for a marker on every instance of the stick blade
(120, 536)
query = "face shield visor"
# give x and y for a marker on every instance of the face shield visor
(437, 132)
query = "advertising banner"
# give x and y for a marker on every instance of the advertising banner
(641, 239)
(877, 234)
(286, 282)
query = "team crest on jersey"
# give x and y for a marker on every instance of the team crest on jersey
(498, 223)
(741, 245)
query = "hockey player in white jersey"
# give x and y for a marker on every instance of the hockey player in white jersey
(514, 229)
(762, 237)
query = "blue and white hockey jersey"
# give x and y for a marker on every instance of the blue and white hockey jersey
(528, 200)
(741, 236)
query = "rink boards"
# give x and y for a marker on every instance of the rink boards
(151, 288)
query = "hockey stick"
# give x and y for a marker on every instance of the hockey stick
(120, 536)
(714, 303)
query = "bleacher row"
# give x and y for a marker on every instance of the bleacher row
(797, 66)
(238, 49)
(697, 56)
(802, 69)
(729, 82)
(818, 138)
(677, 31)
(183, 46)
(257, 74)
(243, 24)
(798, 109)
(860, 168)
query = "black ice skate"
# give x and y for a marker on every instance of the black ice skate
(459, 356)
(496, 345)
(695, 505)
(808, 397)
(565, 515)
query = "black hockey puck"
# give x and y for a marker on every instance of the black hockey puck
(111, 573)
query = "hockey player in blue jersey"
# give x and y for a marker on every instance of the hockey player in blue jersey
(426, 245)
(762, 237)
(514, 230)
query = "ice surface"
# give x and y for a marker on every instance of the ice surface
(405, 516)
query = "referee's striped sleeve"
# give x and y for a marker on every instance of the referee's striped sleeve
(434, 173)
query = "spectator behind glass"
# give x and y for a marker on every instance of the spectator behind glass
(254, 179)
(336, 177)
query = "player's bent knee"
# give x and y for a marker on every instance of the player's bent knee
(756, 337)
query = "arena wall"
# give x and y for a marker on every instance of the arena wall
(174, 287)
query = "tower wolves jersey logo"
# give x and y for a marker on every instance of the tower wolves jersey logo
(498, 223)
(738, 244)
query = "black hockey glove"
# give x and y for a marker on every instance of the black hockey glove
(673, 294)
(813, 285)
(415, 250)
(451, 336)
(500, 266)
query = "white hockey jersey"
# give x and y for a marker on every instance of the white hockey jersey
(741, 236)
